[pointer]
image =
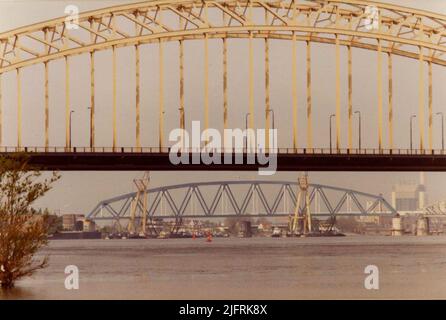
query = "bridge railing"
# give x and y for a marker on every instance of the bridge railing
(310, 151)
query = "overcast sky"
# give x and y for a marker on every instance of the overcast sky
(80, 191)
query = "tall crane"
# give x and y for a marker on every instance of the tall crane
(301, 222)
(138, 212)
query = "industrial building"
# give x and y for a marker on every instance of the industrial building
(409, 196)
(77, 222)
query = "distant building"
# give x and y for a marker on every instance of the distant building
(373, 220)
(409, 196)
(89, 225)
(368, 219)
(73, 222)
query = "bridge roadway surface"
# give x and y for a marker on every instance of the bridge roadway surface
(127, 159)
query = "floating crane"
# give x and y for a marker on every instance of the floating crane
(300, 224)
(138, 212)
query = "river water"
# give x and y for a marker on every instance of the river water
(233, 268)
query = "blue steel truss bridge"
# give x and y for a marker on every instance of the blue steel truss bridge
(243, 199)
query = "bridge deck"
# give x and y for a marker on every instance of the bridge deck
(78, 159)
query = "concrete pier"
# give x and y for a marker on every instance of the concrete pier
(397, 225)
(422, 226)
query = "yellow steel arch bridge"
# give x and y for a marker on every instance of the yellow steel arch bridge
(386, 29)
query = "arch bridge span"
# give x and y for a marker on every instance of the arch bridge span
(386, 29)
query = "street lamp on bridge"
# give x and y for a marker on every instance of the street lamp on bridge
(411, 126)
(359, 128)
(442, 129)
(331, 117)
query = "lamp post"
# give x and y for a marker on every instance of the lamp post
(246, 130)
(331, 117)
(411, 139)
(359, 128)
(71, 113)
(442, 129)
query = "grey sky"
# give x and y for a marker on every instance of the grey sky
(80, 191)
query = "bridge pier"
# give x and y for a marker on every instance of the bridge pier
(422, 226)
(397, 226)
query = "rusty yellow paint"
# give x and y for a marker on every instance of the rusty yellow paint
(206, 85)
(350, 97)
(380, 97)
(430, 107)
(294, 87)
(251, 76)
(390, 94)
(251, 81)
(225, 80)
(421, 98)
(225, 83)
(115, 34)
(19, 109)
(267, 96)
(309, 100)
(115, 99)
(161, 94)
(137, 96)
(67, 102)
(47, 99)
(181, 58)
(338, 95)
(92, 100)
(267, 88)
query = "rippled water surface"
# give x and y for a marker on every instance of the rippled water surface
(256, 268)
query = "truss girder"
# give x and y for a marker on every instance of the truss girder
(178, 199)
(436, 209)
(401, 31)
